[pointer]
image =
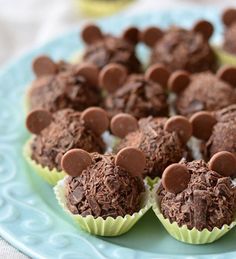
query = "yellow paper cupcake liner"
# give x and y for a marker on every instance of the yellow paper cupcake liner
(99, 226)
(186, 235)
(225, 58)
(50, 176)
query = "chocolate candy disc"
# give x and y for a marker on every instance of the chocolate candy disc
(112, 77)
(43, 66)
(122, 124)
(132, 160)
(75, 161)
(202, 124)
(205, 28)
(175, 178)
(181, 126)
(131, 34)
(90, 72)
(96, 119)
(151, 35)
(158, 73)
(178, 81)
(91, 34)
(229, 16)
(223, 163)
(37, 120)
(228, 74)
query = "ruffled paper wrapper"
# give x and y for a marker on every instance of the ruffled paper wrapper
(225, 58)
(184, 234)
(50, 176)
(99, 226)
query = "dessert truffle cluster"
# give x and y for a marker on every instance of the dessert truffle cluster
(152, 115)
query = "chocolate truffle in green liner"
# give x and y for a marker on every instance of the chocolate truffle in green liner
(162, 140)
(140, 95)
(103, 49)
(199, 195)
(104, 185)
(66, 129)
(61, 85)
(204, 91)
(216, 130)
(181, 49)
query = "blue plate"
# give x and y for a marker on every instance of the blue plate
(30, 218)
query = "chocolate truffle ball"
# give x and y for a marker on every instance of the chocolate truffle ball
(162, 140)
(71, 86)
(201, 197)
(219, 130)
(203, 91)
(104, 186)
(181, 49)
(229, 20)
(138, 94)
(104, 49)
(64, 130)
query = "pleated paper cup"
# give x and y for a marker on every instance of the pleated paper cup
(99, 226)
(183, 234)
(151, 181)
(225, 58)
(49, 176)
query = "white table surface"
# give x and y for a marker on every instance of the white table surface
(25, 24)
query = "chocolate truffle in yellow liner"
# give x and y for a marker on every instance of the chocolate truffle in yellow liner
(140, 95)
(103, 49)
(182, 49)
(62, 85)
(55, 134)
(162, 140)
(195, 201)
(104, 194)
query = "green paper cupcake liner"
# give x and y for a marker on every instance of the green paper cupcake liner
(50, 176)
(225, 58)
(99, 226)
(151, 181)
(184, 234)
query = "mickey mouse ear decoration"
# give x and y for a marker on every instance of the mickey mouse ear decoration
(229, 16)
(175, 178)
(223, 163)
(131, 34)
(38, 120)
(132, 160)
(178, 81)
(91, 34)
(181, 126)
(43, 65)
(112, 76)
(96, 119)
(151, 35)
(205, 28)
(158, 73)
(90, 72)
(228, 74)
(75, 161)
(122, 124)
(202, 124)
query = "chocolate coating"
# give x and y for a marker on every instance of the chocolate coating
(66, 89)
(112, 49)
(205, 92)
(223, 137)
(160, 147)
(138, 97)
(66, 131)
(181, 49)
(104, 190)
(208, 201)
